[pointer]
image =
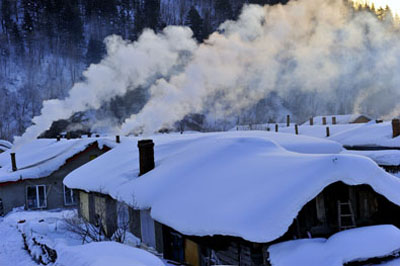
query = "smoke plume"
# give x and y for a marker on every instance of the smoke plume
(126, 67)
(318, 55)
(320, 47)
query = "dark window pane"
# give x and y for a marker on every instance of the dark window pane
(31, 197)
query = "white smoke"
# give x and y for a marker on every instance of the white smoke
(321, 48)
(127, 66)
(318, 46)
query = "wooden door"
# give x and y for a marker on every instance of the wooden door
(147, 227)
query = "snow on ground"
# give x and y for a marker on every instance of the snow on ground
(356, 244)
(106, 254)
(12, 250)
(254, 187)
(42, 157)
(49, 228)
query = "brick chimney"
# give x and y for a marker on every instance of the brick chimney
(146, 156)
(333, 120)
(288, 120)
(311, 121)
(324, 120)
(13, 162)
(117, 139)
(396, 127)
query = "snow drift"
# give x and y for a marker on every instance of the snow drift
(350, 245)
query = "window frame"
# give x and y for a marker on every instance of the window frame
(37, 197)
(74, 201)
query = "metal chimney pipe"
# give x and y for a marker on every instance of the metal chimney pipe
(117, 139)
(396, 127)
(13, 162)
(276, 127)
(146, 156)
(296, 129)
(327, 132)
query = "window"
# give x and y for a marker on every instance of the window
(122, 215)
(36, 197)
(69, 196)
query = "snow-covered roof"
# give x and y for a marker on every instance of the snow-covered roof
(370, 135)
(245, 184)
(5, 145)
(381, 157)
(41, 157)
(357, 244)
(121, 165)
(340, 119)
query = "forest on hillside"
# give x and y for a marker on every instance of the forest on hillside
(45, 45)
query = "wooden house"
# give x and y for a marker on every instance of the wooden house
(32, 175)
(104, 211)
(226, 198)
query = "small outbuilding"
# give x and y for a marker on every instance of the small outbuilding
(32, 174)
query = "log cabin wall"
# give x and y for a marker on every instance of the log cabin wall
(216, 250)
(320, 218)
